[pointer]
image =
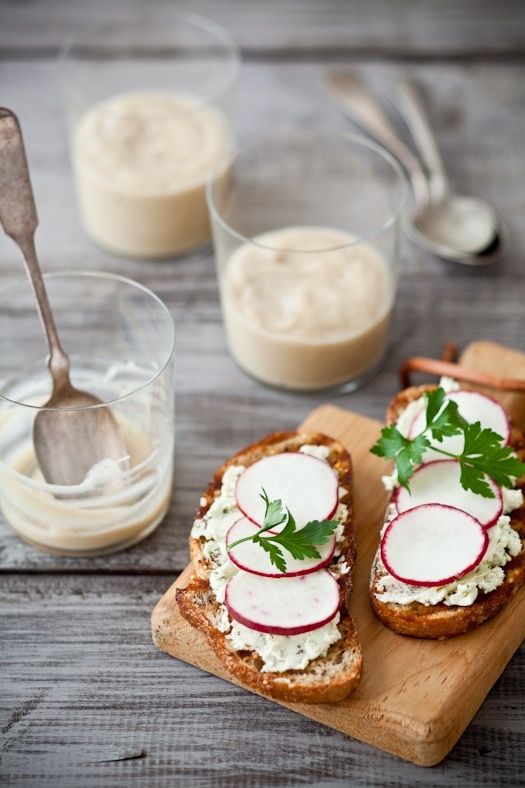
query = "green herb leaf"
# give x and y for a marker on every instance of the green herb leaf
(299, 542)
(443, 418)
(407, 453)
(274, 552)
(482, 454)
(274, 513)
(435, 400)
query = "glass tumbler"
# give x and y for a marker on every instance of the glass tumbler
(306, 229)
(148, 100)
(120, 340)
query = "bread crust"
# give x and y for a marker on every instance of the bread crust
(327, 679)
(442, 621)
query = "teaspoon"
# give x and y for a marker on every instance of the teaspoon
(73, 430)
(353, 98)
(469, 224)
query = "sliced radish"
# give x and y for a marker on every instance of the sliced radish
(432, 545)
(253, 558)
(439, 482)
(473, 406)
(287, 606)
(306, 485)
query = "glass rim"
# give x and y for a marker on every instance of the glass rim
(116, 278)
(67, 49)
(222, 165)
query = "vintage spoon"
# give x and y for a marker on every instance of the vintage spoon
(469, 224)
(353, 98)
(70, 435)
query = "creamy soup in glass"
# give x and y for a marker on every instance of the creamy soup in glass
(306, 229)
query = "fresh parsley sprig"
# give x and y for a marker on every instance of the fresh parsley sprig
(482, 454)
(301, 543)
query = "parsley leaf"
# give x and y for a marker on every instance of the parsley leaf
(274, 552)
(443, 418)
(274, 513)
(406, 453)
(482, 454)
(299, 542)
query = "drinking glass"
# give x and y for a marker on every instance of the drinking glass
(307, 229)
(149, 101)
(120, 339)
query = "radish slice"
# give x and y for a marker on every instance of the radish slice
(473, 406)
(439, 482)
(287, 606)
(306, 485)
(253, 558)
(432, 545)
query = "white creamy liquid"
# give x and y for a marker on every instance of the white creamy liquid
(141, 162)
(110, 510)
(305, 319)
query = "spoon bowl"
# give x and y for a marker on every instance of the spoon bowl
(464, 230)
(465, 223)
(72, 433)
(74, 430)
(435, 230)
(468, 224)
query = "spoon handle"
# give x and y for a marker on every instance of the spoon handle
(412, 108)
(353, 97)
(19, 220)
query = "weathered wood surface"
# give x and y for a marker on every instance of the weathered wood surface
(413, 28)
(80, 679)
(86, 684)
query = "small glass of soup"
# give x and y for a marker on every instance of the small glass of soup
(149, 102)
(120, 339)
(307, 228)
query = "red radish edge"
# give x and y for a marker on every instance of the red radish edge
(461, 392)
(428, 511)
(471, 503)
(252, 558)
(244, 586)
(418, 421)
(294, 478)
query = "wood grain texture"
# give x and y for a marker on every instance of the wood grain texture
(81, 682)
(273, 28)
(415, 697)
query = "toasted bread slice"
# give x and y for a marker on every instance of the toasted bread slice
(325, 679)
(441, 621)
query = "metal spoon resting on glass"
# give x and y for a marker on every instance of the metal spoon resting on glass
(462, 229)
(73, 430)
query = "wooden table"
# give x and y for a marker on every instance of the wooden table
(86, 699)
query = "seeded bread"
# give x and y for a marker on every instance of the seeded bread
(326, 679)
(442, 621)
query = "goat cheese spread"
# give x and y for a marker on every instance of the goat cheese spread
(284, 652)
(504, 545)
(278, 652)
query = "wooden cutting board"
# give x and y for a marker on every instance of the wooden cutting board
(415, 697)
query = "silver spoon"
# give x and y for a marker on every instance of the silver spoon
(350, 94)
(70, 435)
(469, 224)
